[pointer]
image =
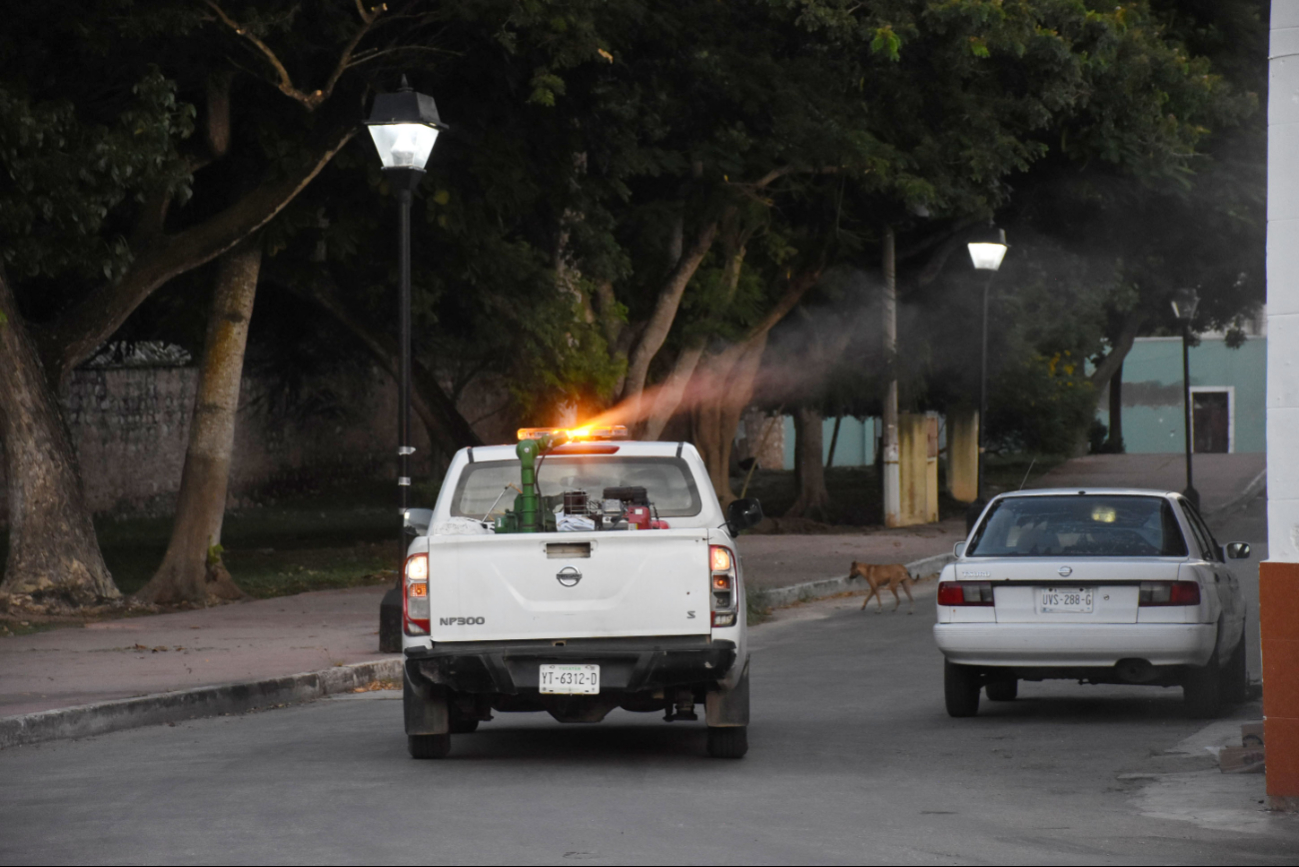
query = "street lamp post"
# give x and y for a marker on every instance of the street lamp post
(1184, 303)
(986, 254)
(404, 126)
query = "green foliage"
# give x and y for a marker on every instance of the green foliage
(70, 178)
(1039, 404)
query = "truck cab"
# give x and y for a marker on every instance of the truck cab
(574, 575)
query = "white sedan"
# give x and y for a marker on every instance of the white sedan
(1100, 586)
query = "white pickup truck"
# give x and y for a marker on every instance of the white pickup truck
(618, 586)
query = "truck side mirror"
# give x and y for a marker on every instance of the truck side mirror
(415, 521)
(1236, 550)
(742, 514)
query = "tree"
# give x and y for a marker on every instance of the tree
(192, 570)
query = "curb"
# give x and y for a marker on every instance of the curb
(778, 597)
(207, 701)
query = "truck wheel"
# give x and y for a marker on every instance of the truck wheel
(428, 746)
(728, 742)
(1202, 688)
(1002, 690)
(960, 689)
(462, 725)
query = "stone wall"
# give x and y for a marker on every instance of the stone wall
(130, 428)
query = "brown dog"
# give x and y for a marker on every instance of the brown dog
(881, 577)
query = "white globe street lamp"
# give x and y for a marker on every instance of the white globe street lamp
(1184, 303)
(404, 126)
(986, 252)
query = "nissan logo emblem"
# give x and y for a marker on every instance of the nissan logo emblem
(1066, 571)
(569, 576)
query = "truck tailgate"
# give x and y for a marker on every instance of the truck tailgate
(569, 585)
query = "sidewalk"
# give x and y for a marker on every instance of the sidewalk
(1220, 479)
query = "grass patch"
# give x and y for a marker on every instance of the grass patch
(329, 537)
(15, 628)
(857, 494)
(757, 604)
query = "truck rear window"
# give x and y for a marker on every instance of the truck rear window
(1079, 526)
(667, 481)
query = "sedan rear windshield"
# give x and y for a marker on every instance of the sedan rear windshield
(1079, 526)
(487, 489)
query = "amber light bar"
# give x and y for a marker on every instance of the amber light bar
(576, 434)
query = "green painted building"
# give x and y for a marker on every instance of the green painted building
(1228, 388)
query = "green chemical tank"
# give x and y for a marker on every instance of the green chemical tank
(528, 515)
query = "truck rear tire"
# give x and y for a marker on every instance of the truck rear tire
(728, 742)
(960, 689)
(428, 746)
(463, 725)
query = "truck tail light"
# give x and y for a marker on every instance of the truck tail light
(1153, 593)
(965, 593)
(414, 598)
(723, 592)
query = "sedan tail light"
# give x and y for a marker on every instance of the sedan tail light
(1154, 593)
(965, 593)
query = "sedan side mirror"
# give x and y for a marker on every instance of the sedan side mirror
(958, 549)
(742, 514)
(416, 521)
(1236, 550)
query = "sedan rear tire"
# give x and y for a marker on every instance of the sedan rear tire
(1235, 687)
(961, 689)
(1002, 690)
(1202, 689)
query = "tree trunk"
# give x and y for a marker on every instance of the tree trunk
(53, 553)
(809, 474)
(1116, 411)
(192, 570)
(834, 441)
(1104, 372)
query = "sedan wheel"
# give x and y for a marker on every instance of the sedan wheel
(1202, 689)
(960, 689)
(1002, 690)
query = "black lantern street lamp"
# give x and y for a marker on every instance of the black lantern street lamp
(404, 126)
(986, 253)
(1184, 303)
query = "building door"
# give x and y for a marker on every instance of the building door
(1211, 421)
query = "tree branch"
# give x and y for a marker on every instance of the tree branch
(665, 310)
(83, 328)
(446, 426)
(311, 100)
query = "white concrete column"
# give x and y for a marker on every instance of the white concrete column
(1279, 576)
(1283, 285)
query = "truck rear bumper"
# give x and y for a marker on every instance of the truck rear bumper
(626, 664)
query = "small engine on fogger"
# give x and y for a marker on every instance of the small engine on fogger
(617, 508)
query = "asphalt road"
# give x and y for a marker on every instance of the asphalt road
(852, 760)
